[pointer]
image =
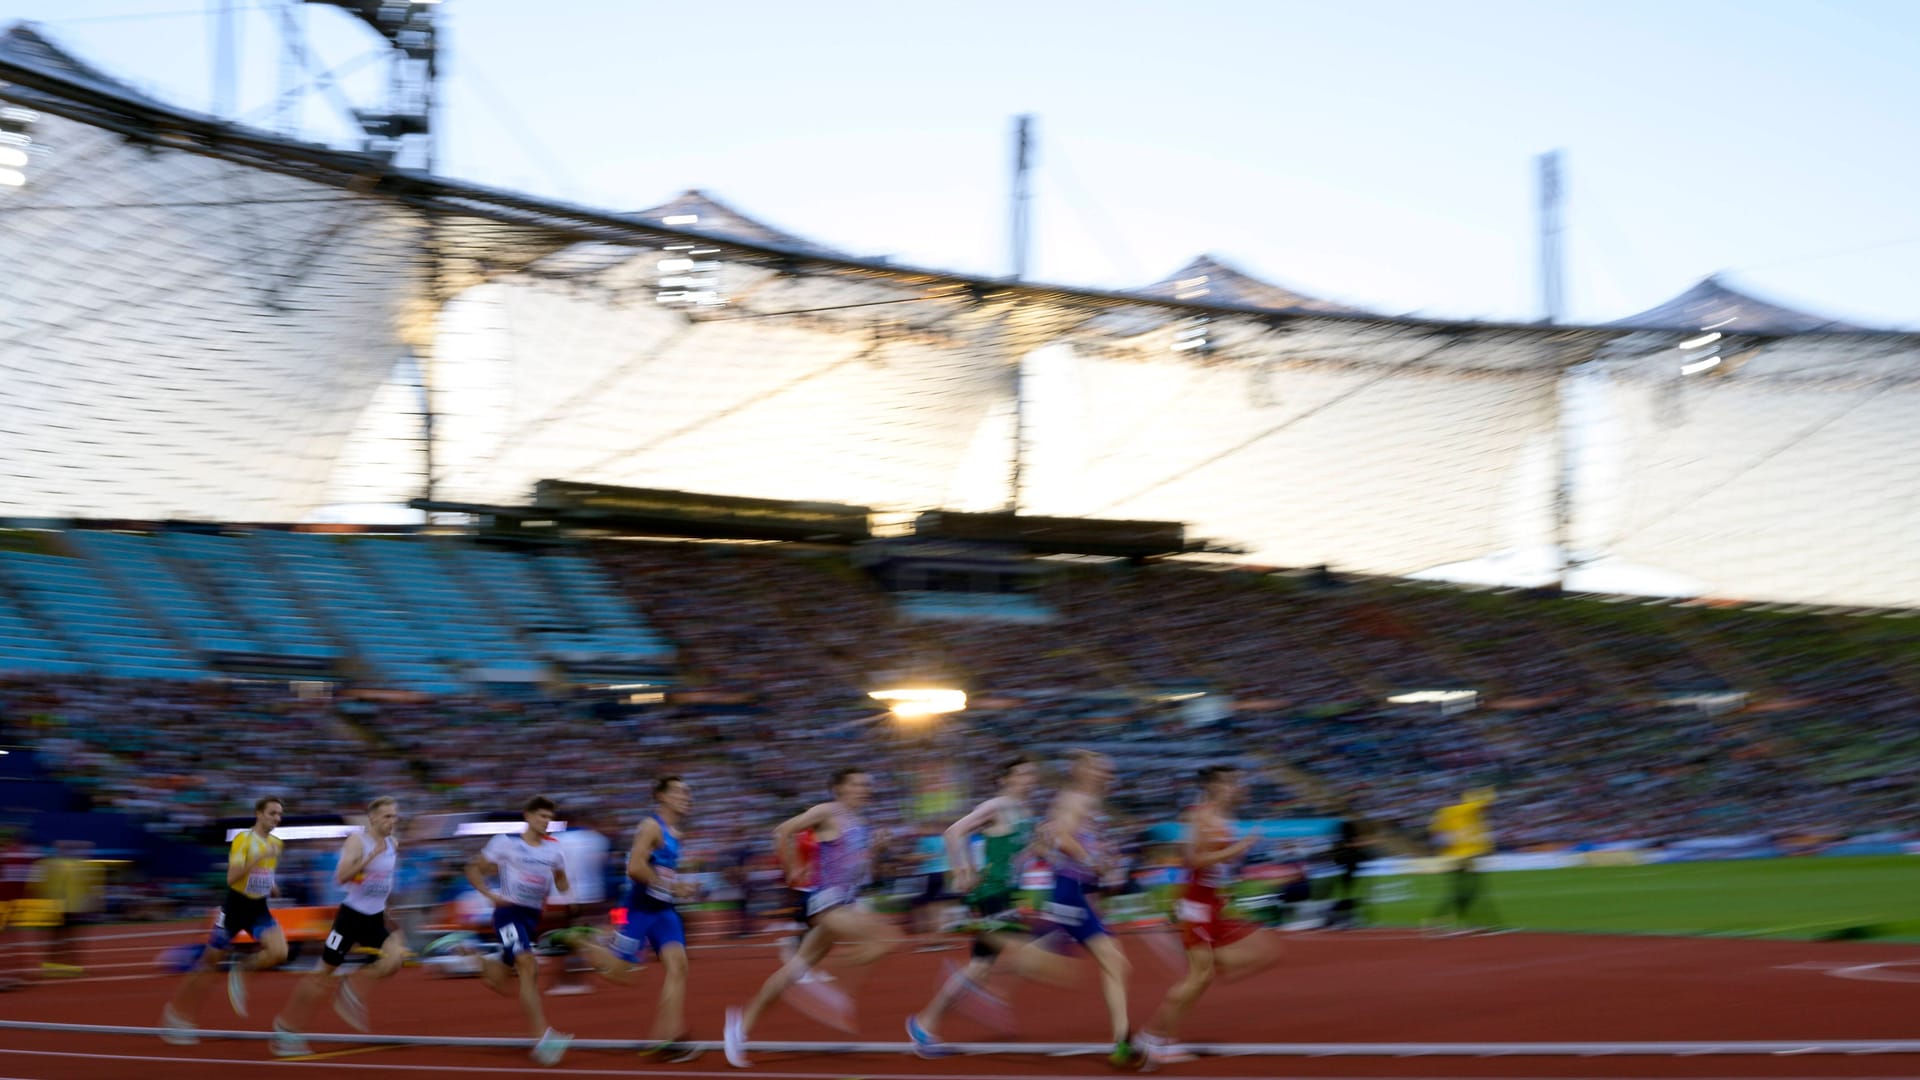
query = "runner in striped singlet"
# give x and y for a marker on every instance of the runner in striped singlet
(833, 913)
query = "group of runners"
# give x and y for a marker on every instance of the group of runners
(827, 853)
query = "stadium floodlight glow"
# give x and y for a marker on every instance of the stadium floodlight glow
(1703, 339)
(680, 219)
(12, 178)
(13, 157)
(1441, 697)
(918, 704)
(1706, 363)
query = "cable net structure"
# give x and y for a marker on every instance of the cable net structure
(215, 323)
(1786, 472)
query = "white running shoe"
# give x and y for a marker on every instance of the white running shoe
(551, 1047)
(734, 1042)
(237, 988)
(351, 1006)
(1163, 1051)
(288, 1043)
(821, 1003)
(176, 1030)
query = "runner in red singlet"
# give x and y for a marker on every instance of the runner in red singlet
(1216, 945)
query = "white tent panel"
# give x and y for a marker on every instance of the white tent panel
(1376, 470)
(1774, 490)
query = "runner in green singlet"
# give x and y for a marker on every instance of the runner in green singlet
(992, 890)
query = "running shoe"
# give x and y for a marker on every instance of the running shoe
(351, 1006)
(288, 1043)
(551, 1047)
(925, 1043)
(734, 1042)
(237, 988)
(176, 1030)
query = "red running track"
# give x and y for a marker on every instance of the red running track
(1360, 987)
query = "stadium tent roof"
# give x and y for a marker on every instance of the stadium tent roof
(715, 218)
(44, 77)
(216, 314)
(1712, 305)
(1212, 279)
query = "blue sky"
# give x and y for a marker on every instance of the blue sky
(1378, 153)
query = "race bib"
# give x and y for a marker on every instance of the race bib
(376, 888)
(664, 879)
(1066, 914)
(260, 883)
(1193, 911)
(824, 899)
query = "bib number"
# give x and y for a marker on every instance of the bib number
(821, 900)
(664, 879)
(1066, 914)
(1193, 911)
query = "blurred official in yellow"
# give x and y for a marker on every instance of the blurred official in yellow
(1461, 834)
(72, 885)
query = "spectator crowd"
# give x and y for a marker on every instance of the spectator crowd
(1597, 722)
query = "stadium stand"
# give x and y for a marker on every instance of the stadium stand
(406, 613)
(1581, 703)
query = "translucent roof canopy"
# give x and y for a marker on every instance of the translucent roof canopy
(221, 324)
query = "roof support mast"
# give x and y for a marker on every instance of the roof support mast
(402, 129)
(1552, 284)
(1553, 311)
(1021, 238)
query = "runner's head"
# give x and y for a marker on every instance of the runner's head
(673, 795)
(1090, 771)
(383, 814)
(539, 812)
(852, 787)
(1220, 785)
(1018, 776)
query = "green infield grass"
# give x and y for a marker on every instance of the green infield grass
(1806, 898)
